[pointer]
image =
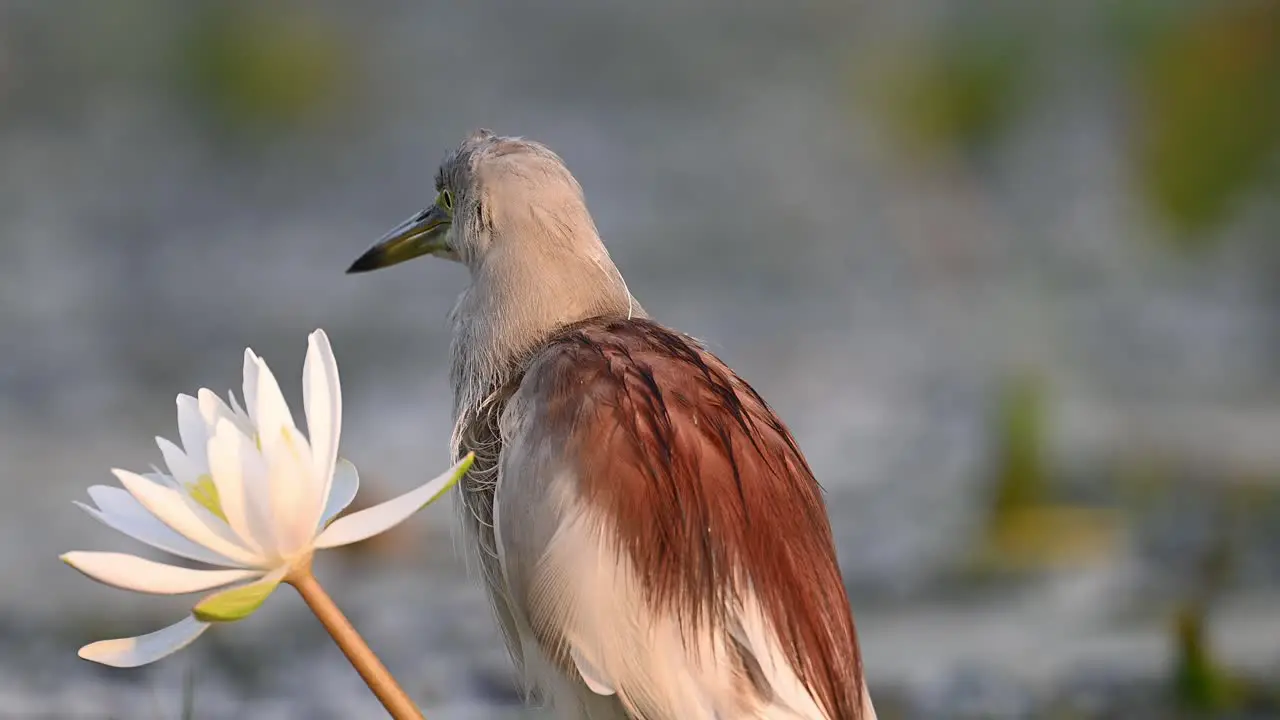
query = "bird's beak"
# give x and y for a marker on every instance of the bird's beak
(422, 234)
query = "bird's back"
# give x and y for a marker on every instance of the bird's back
(655, 538)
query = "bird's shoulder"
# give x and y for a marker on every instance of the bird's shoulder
(708, 492)
(602, 363)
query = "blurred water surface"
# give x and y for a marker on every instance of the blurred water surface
(884, 215)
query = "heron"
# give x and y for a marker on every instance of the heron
(653, 542)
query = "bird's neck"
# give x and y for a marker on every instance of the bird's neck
(514, 304)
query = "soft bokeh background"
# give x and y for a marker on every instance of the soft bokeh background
(1009, 270)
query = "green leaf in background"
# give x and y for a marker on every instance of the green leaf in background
(955, 94)
(1027, 528)
(1021, 478)
(264, 69)
(1208, 125)
(1200, 684)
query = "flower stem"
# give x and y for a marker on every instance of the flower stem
(371, 669)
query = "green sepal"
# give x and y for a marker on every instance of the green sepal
(237, 603)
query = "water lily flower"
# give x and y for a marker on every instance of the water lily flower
(248, 494)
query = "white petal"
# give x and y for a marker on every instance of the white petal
(346, 481)
(160, 478)
(293, 490)
(119, 511)
(250, 387)
(215, 523)
(384, 516)
(130, 572)
(226, 467)
(257, 489)
(213, 409)
(180, 466)
(193, 430)
(135, 651)
(242, 415)
(322, 402)
(270, 411)
(172, 508)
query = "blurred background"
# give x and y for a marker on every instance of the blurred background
(1009, 270)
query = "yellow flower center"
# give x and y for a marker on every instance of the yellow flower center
(205, 492)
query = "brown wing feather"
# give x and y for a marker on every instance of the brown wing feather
(709, 491)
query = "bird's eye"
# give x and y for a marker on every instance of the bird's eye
(445, 200)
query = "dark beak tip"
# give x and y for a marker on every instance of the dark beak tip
(365, 263)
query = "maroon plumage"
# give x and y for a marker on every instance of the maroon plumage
(707, 489)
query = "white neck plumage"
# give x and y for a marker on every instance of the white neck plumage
(514, 303)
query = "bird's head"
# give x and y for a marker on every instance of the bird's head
(492, 193)
(510, 210)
